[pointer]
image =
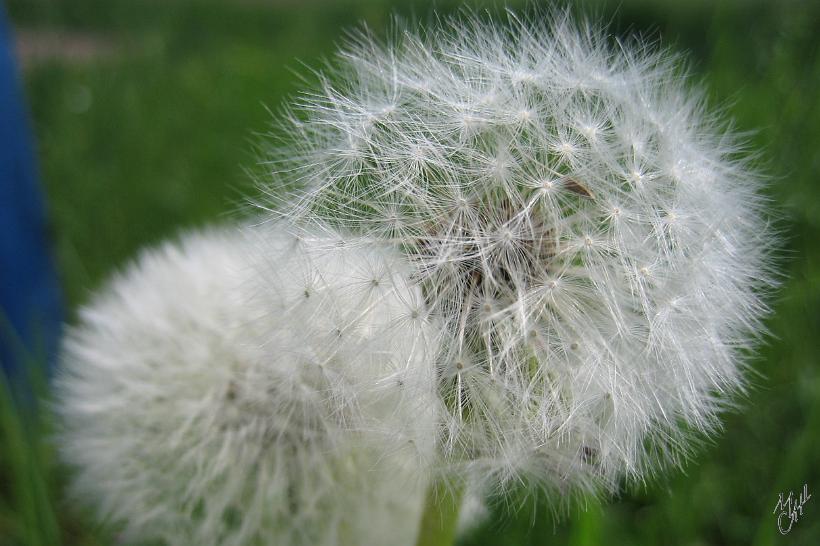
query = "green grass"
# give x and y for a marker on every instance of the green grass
(168, 131)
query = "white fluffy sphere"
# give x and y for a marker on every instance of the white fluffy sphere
(209, 397)
(592, 239)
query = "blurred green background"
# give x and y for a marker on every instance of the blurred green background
(145, 114)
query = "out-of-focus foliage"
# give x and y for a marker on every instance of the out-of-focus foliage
(145, 113)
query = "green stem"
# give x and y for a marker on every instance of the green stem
(440, 516)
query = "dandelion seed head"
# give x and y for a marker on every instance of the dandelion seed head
(248, 388)
(550, 229)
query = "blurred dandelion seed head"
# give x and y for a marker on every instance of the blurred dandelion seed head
(205, 399)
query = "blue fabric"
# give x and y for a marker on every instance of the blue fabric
(30, 301)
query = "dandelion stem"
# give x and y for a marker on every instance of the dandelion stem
(438, 521)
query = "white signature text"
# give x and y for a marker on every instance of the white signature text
(790, 508)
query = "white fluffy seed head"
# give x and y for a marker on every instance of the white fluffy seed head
(209, 396)
(592, 240)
